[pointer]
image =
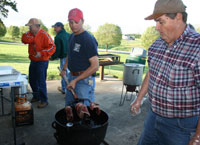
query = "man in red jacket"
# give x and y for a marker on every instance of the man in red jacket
(40, 48)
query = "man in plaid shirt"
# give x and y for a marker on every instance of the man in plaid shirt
(173, 80)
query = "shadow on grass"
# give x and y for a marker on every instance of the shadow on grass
(115, 67)
(4, 40)
(6, 58)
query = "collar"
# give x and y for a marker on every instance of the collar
(181, 37)
(185, 33)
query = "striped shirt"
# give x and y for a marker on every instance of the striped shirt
(174, 83)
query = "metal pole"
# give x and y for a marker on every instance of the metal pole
(12, 95)
(2, 104)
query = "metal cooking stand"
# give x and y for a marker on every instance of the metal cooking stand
(129, 88)
(132, 80)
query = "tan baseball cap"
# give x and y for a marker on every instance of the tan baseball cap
(165, 7)
(33, 21)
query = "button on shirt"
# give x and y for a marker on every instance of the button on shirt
(174, 83)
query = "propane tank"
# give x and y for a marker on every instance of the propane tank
(22, 104)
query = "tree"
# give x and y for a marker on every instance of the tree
(3, 7)
(52, 32)
(109, 34)
(13, 31)
(137, 35)
(2, 29)
(67, 28)
(23, 29)
(87, 28)
(198, 29)
(149, 36)
(43, 26)
(134, 35)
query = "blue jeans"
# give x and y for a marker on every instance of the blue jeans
(37, 79)
(83, 89)
(63, 83)
(160, 130)
(92, 88)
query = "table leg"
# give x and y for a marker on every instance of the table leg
(101, 72)
(2, 104)
(12, 95)
(13, 91)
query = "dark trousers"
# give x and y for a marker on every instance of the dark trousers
(37, 79)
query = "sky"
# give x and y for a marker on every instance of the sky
(127, 14)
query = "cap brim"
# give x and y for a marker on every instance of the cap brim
(153, 16)
(28, 25)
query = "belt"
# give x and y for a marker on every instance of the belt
(76, 73)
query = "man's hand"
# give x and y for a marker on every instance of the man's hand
(63, 73)
(195, 140)
(38, 55)
(135, 107)
(72, 84)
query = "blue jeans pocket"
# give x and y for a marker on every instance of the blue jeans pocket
(188, 124)
(84, 81)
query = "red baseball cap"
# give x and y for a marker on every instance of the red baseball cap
(75, 14)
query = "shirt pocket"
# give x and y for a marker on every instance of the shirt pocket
(181, 76)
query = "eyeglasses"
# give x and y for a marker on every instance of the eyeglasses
(34, 25)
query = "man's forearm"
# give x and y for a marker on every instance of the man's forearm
(196, 138)
(144, 87)
(198, 130)
(87, 73)
(90, 70)
(66, 64)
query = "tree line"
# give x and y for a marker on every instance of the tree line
(106, 35)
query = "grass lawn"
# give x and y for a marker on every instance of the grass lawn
(17, 56)
(126, 45)
(9, 39)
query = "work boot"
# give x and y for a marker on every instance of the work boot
(35, 100)
(42, 104)
(60, 90)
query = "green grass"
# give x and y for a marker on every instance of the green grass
(117, 70)
(9, 39)
(17, 56)
(126, 45)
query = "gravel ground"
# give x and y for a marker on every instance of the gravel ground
(123, 128)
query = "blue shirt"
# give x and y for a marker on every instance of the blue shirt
(81, 48)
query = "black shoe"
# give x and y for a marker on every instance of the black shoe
(34, 100)
(60, 90)
(42, 104)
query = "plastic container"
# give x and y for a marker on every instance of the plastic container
(135, 112)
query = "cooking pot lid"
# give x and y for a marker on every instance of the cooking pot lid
(133, 65)
(69, 124)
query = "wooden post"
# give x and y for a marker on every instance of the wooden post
(101, 72)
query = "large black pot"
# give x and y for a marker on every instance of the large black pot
(83, 132)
